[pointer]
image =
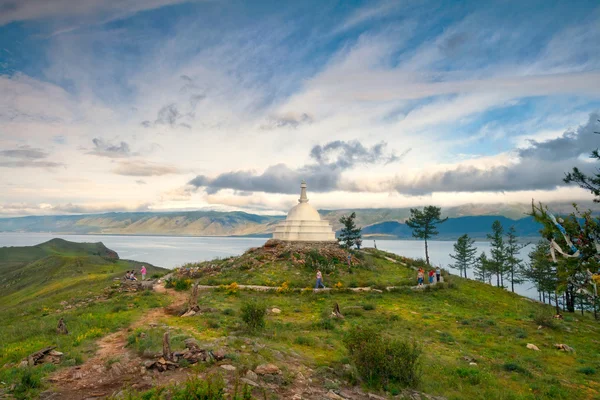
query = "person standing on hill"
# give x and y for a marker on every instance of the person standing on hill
(143, 272)
(420, 276)
(438, 273)
(319, 281)
(431, 275)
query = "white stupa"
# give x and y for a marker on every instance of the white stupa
(303, 223)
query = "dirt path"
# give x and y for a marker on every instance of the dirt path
(114, 367)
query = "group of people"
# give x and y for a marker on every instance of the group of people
(130, 275)
(433, 274)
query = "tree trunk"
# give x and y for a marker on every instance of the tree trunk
(556, 301)
(426, 253)
(512, 280)
(502, 279)
(498, 280)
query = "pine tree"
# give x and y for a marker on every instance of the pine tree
(497, 259)
(591, 183)
(464, 254)
(423, 224)
(583, 231)
(350, 235)
(514, 265)
(481, 269)
(540, 270)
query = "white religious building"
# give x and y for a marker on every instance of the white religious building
(303, 223)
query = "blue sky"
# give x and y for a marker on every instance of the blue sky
(173, 104)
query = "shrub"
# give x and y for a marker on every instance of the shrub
(471, 375)
(381, 361)
(29, 380)
(587, 370)
(169, 283)
(228, 311)
(253, 314)
(368, 307)
(512, 367)
(544, 319)
(304, 341)
(183, 284)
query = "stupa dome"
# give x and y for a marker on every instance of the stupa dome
(303, 223)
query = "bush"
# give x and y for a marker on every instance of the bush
(471, 375)
(183, 284)
(544, 319)
(169, 283)
(512, 367)
(30, 380)
(304, 341)
(368, 307)
(253, 314)
(587, 370)
(381, 361)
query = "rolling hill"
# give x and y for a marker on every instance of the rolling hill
(473, 219)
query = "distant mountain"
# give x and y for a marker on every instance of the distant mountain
(193, 223)
(471, 218)
(477, 227)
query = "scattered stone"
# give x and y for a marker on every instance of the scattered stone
(219, 354)
(473, 363)
(267, 369)
(228, 367)
(190, 313)
(564, 347)
(251, 375)
(532, 347)
(191, 343)
(374, 396)
(333, 395)
(275, 310)
(540, 327)
(249, 382)
(468, 358)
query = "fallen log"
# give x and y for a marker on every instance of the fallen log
(45, 355)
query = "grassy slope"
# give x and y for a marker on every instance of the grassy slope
(35, 280)
(472, 319)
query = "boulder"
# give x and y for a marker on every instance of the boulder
(228, 367)
(275, 310)
(251, 375)
(249, 382)
(532, 347)
(267, 369)
(564, 347)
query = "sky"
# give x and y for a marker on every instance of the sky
(159, 105)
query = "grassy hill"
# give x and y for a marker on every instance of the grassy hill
(39, 284)
(473, 337)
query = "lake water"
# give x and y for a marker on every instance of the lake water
(173, 251)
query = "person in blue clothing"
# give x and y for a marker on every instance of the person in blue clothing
(438, 273)
(319, 281)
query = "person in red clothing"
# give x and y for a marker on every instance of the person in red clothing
(431, 275)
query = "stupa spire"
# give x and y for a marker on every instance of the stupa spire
(303, 198)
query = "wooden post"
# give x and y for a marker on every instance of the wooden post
(167, 355)
(61, 328)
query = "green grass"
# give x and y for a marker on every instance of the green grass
(30, 303)
(465, 319)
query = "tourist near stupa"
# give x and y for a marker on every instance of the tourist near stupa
(303, 223)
